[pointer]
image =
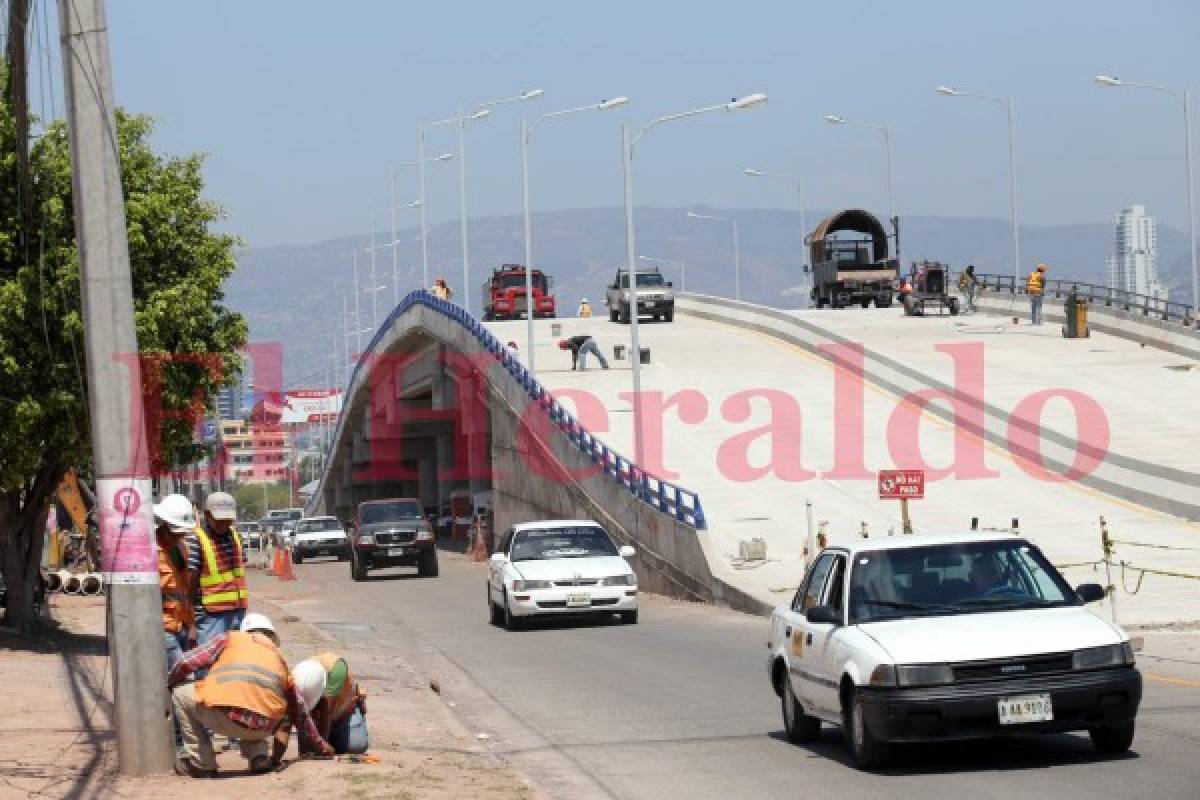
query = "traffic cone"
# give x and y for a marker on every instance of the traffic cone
(285, 566)
(273, 569)
(479, 548)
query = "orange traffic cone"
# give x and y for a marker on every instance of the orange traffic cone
(285, 566)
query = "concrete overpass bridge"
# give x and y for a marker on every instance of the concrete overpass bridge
(752, 412)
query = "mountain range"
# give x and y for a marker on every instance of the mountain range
(294, 293)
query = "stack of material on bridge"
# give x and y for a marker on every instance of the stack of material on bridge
(716, 350)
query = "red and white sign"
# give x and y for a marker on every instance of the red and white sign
(128, 552)
(311, 405)
(901, 484)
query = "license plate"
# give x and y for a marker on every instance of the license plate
(395, 552)
(1023, 708)
(579, 599)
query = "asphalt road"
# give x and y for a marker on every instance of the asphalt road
(679, 705)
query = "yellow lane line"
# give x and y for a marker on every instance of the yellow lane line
(1173, 681)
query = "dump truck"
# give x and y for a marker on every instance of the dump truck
(851, 263)
(504, 294)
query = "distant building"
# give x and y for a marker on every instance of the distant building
(254, 452)
(1133, 266)
(229, 401)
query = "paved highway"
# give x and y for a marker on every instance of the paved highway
(679, 706)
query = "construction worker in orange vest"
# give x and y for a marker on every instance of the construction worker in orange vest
(340, 714)
(217, 569)
(175, 520)
(1036, 288)
(249, 695)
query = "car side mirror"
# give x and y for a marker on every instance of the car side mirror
(823, 615)
(627, 551)
(498, 558)
(1090, 592)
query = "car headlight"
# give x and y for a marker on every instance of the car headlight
(620, 580)
(524, 586)
(366, 538)
(924, 674)
(1113, 655)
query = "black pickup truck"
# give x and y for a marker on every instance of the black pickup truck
(392, 533)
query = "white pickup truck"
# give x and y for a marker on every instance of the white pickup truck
(936, 637)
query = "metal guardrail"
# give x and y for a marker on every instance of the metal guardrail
(1097, 295)
(681, 503)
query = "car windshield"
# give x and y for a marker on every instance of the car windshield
(561, 543)
(517, 281)
(644, 280)
(319, 524)
(959, 578)
(373, 513)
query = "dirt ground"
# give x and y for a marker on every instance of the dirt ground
(56, 737)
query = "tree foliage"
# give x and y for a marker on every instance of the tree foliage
(178, 265)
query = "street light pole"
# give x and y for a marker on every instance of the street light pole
(628, 142)
(1007, 102)
(527, 131)
(887, 141)
(424, 233)
(737, 250)
(1185, 97)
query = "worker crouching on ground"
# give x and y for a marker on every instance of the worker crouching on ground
(580, 346)
(1036, 287)
(340, 713)
(217, 570)
(249, 695)
(585, 309)
(175, 520)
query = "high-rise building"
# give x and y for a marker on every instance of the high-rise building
(1133, 266)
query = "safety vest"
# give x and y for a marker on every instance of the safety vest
(250, 674)
(585, 310)
(343, 703)
(221, 591)
(1036, 283)
(173, 584)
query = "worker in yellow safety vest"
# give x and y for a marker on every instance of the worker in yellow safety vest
(217, 569)
(249, 695)
(585, 309)
(175, 519)
(1036, 288)
(340, 714)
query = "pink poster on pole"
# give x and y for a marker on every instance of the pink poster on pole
(127, 548)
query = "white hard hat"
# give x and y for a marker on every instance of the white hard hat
(309, 677)
(176, 511)
(258, 622)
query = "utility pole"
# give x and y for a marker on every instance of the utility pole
(119, 446)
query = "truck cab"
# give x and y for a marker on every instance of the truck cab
(504, 294)
(655, 297)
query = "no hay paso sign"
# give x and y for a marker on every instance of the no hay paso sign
(901, 484)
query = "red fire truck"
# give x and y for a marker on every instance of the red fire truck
(504, 294)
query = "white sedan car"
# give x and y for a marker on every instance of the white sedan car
(559, 567)
(920, 638)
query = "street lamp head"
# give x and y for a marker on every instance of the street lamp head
(532, 93)
(694, 215)
(947, 91)
(833, 119)
(1107, 80)
(745, 103)
(613, 102)
(482, 113)
(754, 172)
(443, 157)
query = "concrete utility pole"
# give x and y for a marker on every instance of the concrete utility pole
(123, 496)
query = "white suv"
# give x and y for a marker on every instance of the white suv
(918, 638)
(319, 536)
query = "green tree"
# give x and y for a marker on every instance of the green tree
(250, 498)
(178, 265)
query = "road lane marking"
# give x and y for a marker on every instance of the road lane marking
(1172, 681)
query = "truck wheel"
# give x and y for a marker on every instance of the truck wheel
(625, 315)
(669, 315)
(495, 612)
(798, 726)
(357, 572)
(427, 565)
(868, 752)
(953, 307)
(1112, 739)
(866, 303)
(511, 622)
(629, 617)
(344, 555)
(297, 558)
(655, 317)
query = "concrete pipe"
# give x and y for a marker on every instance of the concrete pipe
(53, 582)
(63, 576)
(73, 585)
(91, 584)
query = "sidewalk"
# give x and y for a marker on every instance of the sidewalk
(56, 737)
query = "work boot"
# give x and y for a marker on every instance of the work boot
(190, 769)
(260, 763)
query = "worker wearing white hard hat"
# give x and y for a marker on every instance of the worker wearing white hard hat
(585, 309)
(174, 520)
(340, 710)
(249, 695)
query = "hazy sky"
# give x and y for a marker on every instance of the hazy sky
(304, 106)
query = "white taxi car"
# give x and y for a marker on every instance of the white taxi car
(559, 567)
(929, 637)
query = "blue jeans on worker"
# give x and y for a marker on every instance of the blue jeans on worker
(969, 293)
(176, 645)
(349, 734)
(590, 346)
(1035, 309)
